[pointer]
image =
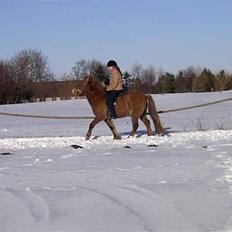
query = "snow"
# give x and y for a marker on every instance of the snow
(178, 182)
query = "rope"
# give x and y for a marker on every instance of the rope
(195, 106)
(91, 117)
(45, 116)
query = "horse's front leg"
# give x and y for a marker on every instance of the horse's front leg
(91, 126)
(110, 124)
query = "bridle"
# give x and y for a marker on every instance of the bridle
(78, 91)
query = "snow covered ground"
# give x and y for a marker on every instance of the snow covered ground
(179, 182)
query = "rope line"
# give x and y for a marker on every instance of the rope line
(92, 117)
(195, 106)
(45, 116)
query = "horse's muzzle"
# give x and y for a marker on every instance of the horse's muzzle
(76, 92)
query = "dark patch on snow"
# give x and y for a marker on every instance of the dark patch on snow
(152, 145)
(76, 146)
(5, 153)
(127, 147)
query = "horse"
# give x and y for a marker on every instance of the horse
(132, 104)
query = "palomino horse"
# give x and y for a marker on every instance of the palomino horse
(131, 103)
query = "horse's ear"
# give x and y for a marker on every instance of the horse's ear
(90, 78)
(87, 78)
(90, 81)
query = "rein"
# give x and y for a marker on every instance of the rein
(77, 91)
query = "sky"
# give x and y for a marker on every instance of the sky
(170, 35)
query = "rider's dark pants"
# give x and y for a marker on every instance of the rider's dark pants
(110, 99)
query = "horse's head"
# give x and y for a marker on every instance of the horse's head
(84, 87)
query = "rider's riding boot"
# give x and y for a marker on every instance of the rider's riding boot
(111, 115)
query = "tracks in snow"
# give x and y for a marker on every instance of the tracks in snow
(149, 210)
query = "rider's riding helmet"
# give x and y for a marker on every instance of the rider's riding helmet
(111, 63)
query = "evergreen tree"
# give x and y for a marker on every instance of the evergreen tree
(166, 83)
(127, 81)
(205, 82)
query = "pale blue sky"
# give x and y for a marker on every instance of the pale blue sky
(166, 34)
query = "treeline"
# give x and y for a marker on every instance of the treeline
(190, 79)
(149, 80)
(19, 73)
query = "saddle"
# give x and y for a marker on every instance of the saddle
(123, 92)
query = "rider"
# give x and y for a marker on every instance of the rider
(115, 86)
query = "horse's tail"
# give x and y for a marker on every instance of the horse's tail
(154, 115)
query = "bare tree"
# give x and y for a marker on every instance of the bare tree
(32, 65)
(79, 70)
(137, 71)
(144, 78)
(149, 79)
(86, 67)
(189, 75)
(136, 74)
(28, 66)
(6, 82)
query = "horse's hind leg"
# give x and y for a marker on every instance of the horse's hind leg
(91, 126)
(135, 125)
(112, 128)
(147, 124)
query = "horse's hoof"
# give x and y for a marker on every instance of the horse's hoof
(161, 133)
(117, 137)
(87, 138)
(150, 134)
(131, 135)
